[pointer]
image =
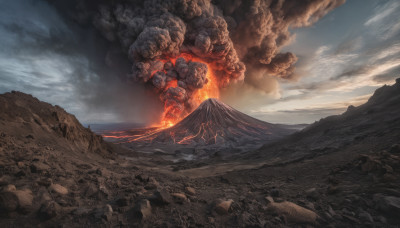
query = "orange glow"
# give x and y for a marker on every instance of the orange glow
(170, 116)
(209, 90)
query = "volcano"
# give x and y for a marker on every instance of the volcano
(215, 123)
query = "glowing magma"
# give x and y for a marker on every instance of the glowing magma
(209, 90)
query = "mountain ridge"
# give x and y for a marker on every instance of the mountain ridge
(376, 120)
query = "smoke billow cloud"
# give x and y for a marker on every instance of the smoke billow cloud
(238, 40)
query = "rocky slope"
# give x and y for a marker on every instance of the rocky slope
(22, 115)
(373, 125)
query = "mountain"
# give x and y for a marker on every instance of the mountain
(373, 125)
(215, 123)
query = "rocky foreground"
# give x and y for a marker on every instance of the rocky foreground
(56, 173)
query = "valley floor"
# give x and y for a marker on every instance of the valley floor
(45, 187)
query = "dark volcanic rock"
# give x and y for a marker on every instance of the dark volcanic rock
(161, 197)
(222, 206)
(8, 202)
(49, 210)
(142, 209)
(388, 204)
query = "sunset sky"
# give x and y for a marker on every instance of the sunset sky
(343, 58)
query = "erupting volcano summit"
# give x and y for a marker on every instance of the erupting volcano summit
(213, 123)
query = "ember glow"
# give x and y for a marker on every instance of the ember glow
(210, 89)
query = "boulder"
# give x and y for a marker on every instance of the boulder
(269, 199)
(16, 200)
(388, 204)
(179, 197)
(312, 193)
(105, 212)
(8, 202)
(222, 206)
(365, 216)
(45, 182)
(25, 199)
(58, 189)
(152, 184)
(142, 177)
(39, 167)
(274, 192)
(292, 212)
(4, 180)
(10, 188)
(142, 209)
(43, 195)
(161, 197)
(91, 190)
(191, 191)
(122, 201)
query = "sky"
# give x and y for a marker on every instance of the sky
(343, 58)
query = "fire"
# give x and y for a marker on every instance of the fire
(209, 90)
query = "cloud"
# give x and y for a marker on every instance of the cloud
(383, 12)
(349, 45)
(307, 113)
(388, 76)
(61, 63)
(383, 22)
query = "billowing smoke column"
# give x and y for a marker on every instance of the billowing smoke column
(181, 46)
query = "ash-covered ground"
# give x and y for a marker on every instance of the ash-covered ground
(342, 171)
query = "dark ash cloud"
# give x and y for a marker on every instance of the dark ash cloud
(239, 40)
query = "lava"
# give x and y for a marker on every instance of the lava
(209, 90)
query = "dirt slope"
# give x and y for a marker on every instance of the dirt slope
(23, 115)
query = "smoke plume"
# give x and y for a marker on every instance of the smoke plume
(174, 45)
